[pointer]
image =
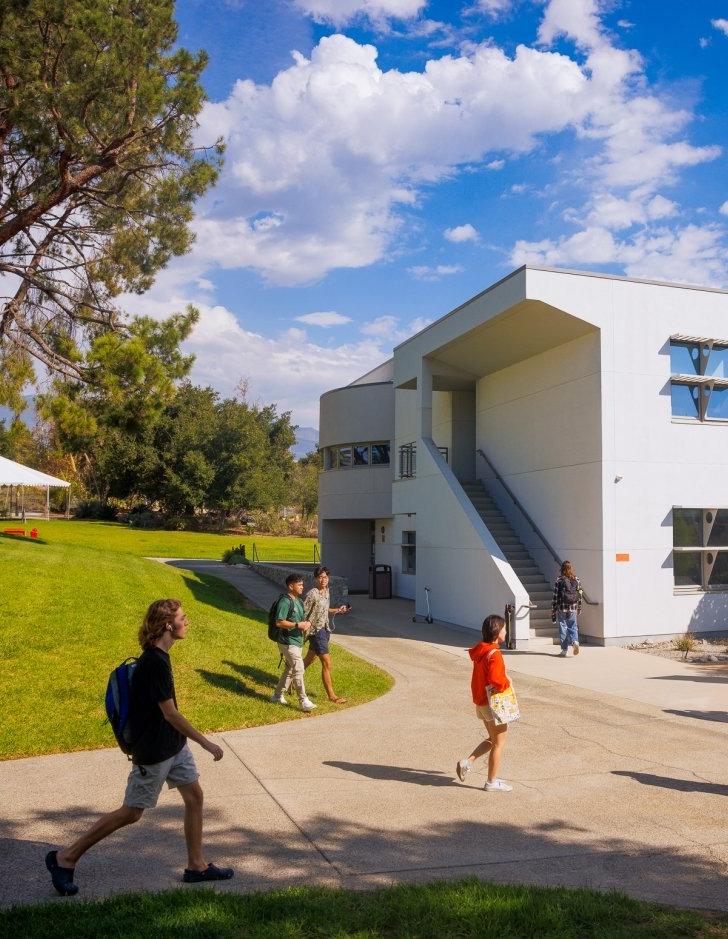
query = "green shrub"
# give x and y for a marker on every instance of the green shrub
(96, 509)
(685, 643)
(235, 555)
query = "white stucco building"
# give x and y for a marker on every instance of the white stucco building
(556, 415)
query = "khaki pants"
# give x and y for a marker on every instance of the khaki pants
(293, 672)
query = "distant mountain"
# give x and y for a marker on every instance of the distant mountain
(306, 441)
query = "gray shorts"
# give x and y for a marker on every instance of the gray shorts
(145, 782)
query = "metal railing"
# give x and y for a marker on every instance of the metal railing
(408, 459)
(516, 501)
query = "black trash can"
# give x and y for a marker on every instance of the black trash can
(380, 582)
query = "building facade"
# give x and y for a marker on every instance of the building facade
(556, 415)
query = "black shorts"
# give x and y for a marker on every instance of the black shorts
(319, 642)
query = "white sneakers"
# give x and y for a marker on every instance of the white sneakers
(463, 768)
(576, 648)
(278, 699)
(497, 785)
(307, 705)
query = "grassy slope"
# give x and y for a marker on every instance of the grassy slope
(457, 910)
(164, 544)
(68, 614)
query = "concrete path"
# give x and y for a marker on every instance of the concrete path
(610, 791)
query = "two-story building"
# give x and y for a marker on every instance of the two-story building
(555, 415)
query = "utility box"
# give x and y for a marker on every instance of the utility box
(380, 582)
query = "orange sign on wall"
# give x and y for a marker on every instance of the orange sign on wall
(622, 557)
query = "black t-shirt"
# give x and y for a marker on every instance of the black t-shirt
(154, 738)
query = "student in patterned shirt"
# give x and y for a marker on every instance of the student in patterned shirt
(565, 608)
(317, 607)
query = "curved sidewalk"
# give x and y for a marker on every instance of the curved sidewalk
(609, 792)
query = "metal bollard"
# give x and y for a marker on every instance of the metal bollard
(510, 618)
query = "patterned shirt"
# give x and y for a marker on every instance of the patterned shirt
(559, 603)
(316, 606)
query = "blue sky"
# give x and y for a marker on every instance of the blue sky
(388, 159)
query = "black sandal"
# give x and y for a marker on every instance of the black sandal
(62, 877)
(211, 872)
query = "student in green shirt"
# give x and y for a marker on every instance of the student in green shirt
(293, 626)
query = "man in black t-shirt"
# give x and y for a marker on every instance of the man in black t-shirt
(159, 754)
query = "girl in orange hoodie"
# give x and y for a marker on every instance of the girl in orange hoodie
(488, 670)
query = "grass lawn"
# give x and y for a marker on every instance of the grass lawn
(453, 910)
(113, 536)
(70, 613)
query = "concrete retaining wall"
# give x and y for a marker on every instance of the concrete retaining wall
(277, 573)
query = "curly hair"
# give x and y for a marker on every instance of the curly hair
(567, 570)
(492, 625)
(160, 614)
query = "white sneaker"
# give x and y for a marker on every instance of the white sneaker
(563, 653)
(463, 768)
(278, 699)
(307, 705)
(576, 648)
(497, 785)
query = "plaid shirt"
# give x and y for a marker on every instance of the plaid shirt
(558, 601)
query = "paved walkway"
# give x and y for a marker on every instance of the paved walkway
(610, 791)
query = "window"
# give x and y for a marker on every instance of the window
(329, 458)
(408, 460)
(380, 454)
(699, 385)
(344, 457)
(409, 550)
(700, 548)
(361, 454)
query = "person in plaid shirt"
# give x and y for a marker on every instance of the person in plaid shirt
(566, 607)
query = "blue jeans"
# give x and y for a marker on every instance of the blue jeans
(568, 630)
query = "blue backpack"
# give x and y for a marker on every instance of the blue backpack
(118, 700)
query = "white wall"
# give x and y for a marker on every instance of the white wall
(345, 549)
(539, 423)
(389, 551)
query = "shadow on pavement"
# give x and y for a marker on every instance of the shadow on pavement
(404, 774)
(681, 785)
(720, 678)
(150, 855)
(720, 716)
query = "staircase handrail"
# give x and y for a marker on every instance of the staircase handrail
(514, 498)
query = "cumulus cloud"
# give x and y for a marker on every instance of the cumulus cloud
(461, 233)
(324, 319)
(495, 165)
(721, 25)
(341, 12)
(724, 209)
(425, 272)
(320, 162)
(492, 8)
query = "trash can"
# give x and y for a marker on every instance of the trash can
(380, 582)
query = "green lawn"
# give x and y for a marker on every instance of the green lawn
(466, 910)
(70, 613)
(114, 536)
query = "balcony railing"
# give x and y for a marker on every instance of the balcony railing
(408, 459)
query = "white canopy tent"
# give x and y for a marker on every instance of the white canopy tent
(19, 477)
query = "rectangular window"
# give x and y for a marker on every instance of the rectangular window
(329, 458)
(409, 552)
(380, 454)
(345, 457)
(361, 454)
(699, 386)
(700, 548)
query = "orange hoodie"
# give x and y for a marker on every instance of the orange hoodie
(487, 671)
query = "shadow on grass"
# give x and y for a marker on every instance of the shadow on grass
(231, 684)
(25, 540)
(253, 673)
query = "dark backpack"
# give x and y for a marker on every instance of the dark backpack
(569, 591)
(274, 631)
(118, 700)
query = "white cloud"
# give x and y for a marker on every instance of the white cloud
(341, 12)
(492, 8)
(691, 254)
(390, 328)
(575, 19)
(724, 209)
(461, 233)
(324, 319)
(495, 165)
(721, 25)
(703, 42)
(424, 272)
(335, 146)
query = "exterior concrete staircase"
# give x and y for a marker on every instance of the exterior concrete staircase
(540, 591)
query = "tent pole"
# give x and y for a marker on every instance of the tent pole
(22, 503)
(68, 502)
(48, 503)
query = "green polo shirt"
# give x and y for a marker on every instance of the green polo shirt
(290, 637)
